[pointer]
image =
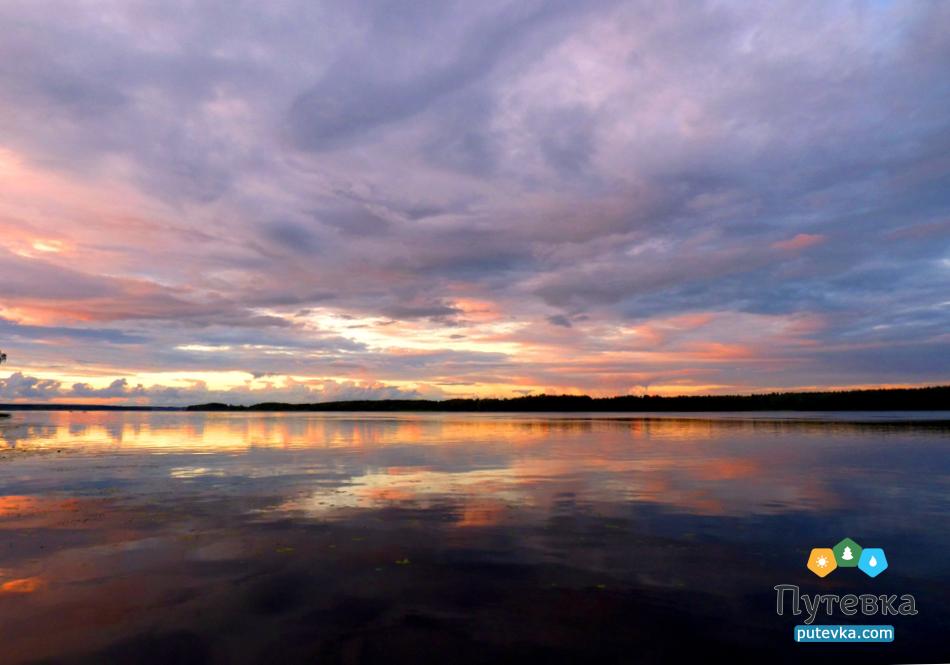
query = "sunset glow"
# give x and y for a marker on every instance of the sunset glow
(489, 201)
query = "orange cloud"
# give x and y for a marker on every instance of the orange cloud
(22, 586)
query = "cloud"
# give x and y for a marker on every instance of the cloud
(362, 91)
(800, 241)
(11, 329)
(20, 387)
(244, 179)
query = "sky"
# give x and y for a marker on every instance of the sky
(307, 201)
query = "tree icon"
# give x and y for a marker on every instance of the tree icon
(847, 553)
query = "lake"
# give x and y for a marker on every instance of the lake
(172, 537)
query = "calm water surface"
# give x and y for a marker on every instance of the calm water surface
(456, 538)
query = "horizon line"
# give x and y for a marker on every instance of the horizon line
(553, 398)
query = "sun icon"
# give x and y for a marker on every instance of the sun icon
(821, 561)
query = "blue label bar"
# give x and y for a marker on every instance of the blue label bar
(844, 633)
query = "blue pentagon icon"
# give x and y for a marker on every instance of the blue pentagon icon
(873, 562)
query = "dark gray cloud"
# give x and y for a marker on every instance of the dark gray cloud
(13, 330)
(559, 320)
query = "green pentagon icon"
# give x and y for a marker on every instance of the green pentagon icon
(847, 553)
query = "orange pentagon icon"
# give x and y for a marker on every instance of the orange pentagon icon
(821, 561)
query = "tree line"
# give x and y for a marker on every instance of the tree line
(936, 398)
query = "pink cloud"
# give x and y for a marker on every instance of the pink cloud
(801, 241)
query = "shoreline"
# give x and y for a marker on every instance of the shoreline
(932, 398)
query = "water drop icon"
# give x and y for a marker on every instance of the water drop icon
(873, 561)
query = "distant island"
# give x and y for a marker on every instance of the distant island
(936, 398)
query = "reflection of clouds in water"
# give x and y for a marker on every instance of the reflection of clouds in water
(15, 433)
(191, 515)
(195, 472)
(539, 485)
(21, 586)
(419, 488)
(237, 431)
(317, 463)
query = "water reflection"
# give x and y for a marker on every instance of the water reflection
(195, 432)
(247, 529)
(329, 461)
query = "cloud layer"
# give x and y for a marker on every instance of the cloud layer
(471, 198)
